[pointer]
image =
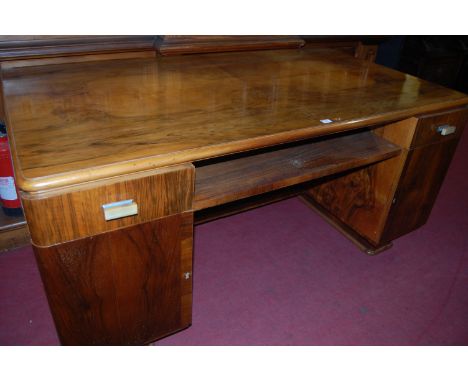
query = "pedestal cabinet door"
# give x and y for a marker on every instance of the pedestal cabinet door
(419, 185)
(129, 286)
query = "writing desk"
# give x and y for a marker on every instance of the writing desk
(117, 158)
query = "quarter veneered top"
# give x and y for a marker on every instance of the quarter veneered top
(76, 122)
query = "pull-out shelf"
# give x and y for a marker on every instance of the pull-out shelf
(232, 179)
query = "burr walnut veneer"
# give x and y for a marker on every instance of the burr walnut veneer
(118, 154)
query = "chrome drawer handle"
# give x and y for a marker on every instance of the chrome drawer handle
(446, 129)
(120, 209)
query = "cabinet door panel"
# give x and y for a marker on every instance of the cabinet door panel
(122, 287)
(79, 283)
(419, 185)
(149, 267)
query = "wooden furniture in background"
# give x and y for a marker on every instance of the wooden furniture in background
(182, 137)
(27, 47)
(362, 47)
(366, 52)
(175, 45)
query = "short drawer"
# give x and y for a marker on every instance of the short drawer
(77, 212)
(440, 127)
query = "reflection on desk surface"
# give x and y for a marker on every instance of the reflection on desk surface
(118, 116)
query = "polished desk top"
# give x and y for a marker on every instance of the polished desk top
(77, 122)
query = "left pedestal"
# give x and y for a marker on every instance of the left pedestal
(125, 281)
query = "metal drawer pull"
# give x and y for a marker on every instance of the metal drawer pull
(120, 209)
(446, 129)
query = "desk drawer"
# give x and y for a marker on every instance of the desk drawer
(440, 127)
(57, 217)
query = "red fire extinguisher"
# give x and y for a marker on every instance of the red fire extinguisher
(11, 204)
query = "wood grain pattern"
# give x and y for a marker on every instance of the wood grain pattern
(234, 179)
(401, 133)
(87, 132)
(400, 192)
(386, 174)
(27, 47)
(14, 238)
(69, 214)
(361, 242)
(124, 287)
(24, 47)
(173, 45)
(350, 198)
(366, 52)
(75, 59)
(13, 232)
(419, 185)
(362, 199)
(168, 110)
(8, 223)
(426, 131)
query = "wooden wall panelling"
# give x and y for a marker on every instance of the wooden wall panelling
(125, 287)
(76, 212)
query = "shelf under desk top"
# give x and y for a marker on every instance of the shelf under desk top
(76, 122)
(258, 173)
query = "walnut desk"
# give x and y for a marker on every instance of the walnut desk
(117, 157)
